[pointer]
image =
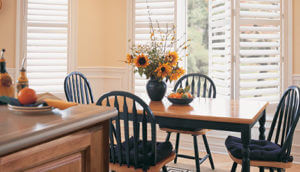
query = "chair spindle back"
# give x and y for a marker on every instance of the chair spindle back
(77, 88)
(285, 121)
(201, 85)
(130, 108)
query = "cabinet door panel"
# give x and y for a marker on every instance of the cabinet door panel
(47, 152)
(70, 163)
(85, 150)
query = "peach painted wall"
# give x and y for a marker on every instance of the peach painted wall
(102, 36)
(296, 36)
(8, 30)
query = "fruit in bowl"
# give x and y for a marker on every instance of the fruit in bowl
(182, 96)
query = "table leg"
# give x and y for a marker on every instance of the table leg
(246, 136)
(262, 128)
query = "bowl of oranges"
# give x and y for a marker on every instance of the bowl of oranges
(182, 96)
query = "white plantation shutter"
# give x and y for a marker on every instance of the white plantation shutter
(47, 25)
(220, 46)
(162, 12)
(245, 48)
(259, 30)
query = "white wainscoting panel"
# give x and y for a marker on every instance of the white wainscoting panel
(105, 79)
(296, 143)
(296, 79)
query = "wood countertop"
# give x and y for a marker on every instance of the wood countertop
(19, 130)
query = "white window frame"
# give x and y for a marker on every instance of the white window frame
(287, 33)
(72, 39)
(130, 36)
(288, 61)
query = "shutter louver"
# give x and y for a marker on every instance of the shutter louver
(260, 49)
(162, 13)
(220, 33)
(47, 24)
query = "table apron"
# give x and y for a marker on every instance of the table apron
(198, 124)
(192, 124)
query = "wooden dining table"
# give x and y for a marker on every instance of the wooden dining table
(208, 113)
(216, 114)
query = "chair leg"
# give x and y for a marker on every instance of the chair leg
(208, 152)
(168, 136)
(164, 169)
(279, 170)
(233, 168)
(177, 147)
(261, 169)
(271, 170)
(196, 154)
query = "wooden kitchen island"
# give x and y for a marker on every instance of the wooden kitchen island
(75, 139)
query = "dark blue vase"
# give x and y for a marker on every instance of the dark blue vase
(156, 89)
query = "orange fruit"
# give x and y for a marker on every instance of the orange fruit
(178, 95)
(172, 95)
(27, 96)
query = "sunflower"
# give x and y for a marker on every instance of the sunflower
(177, 74)
(172, 58)
(163, 70)
(129, 58)
(141, 61)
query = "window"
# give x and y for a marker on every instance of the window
(45, 43)
(239, 43)
(197, 31)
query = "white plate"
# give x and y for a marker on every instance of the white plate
(29, 109)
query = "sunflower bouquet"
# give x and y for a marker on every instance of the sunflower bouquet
(158, 59)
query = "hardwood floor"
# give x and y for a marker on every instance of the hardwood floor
(222, 162)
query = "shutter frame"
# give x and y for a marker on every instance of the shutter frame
(220, 46)
(259, 21)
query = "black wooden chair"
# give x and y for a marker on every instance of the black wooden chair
(201, 86)
(129, 151)
(77, 88)
(273, 153)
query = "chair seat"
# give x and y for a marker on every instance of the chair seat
(273, 164)
(164, 150)
(260, 150)
(182, 131)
